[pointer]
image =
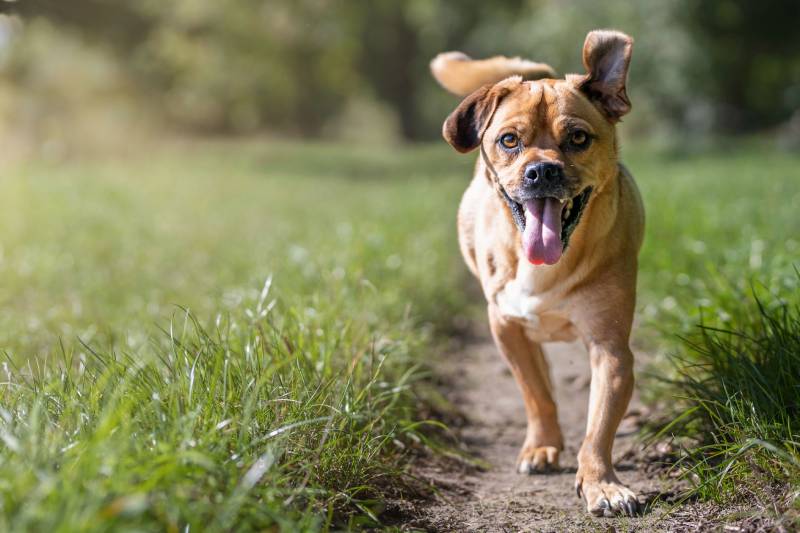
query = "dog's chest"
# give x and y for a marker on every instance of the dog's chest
(543, 314)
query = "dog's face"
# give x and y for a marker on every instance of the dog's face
(549, 144)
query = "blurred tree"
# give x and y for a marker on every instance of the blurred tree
(114, 23)
(747, 60)
(223, 67)
(389, 52)
(295, 66)
(397, 45)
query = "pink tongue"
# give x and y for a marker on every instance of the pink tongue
(542, 236)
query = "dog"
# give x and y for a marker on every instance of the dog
(551, 225)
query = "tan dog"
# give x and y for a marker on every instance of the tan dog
(552, 225)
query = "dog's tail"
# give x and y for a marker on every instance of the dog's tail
(461, 75)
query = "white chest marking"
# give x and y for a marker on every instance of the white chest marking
(515, 301)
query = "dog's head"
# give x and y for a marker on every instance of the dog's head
(549, 144)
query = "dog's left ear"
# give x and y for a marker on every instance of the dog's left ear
(606, 56)
(465, 126)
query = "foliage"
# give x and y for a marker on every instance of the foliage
(750, 77)
(299, 66)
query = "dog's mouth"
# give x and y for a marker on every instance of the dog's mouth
(547, 224)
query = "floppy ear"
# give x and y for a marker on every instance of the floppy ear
(465, 126)
(606, 56)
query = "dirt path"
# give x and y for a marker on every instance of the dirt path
(495, 498)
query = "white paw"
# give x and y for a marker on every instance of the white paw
(533, 459)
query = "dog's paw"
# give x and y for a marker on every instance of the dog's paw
(607, 497)
(535, 459)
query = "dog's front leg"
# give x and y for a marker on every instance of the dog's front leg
(543, 441)
(611, 389)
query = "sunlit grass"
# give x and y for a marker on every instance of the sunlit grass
(105, 249)
(722, 225)
(152, 380)
(716, 221)
(737, 414)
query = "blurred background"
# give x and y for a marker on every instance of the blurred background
(196, 192)
(76, 74)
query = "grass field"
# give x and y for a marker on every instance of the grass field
(153, 380)
(716, 223)
(229, 335)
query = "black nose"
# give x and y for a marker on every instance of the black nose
(542, 172)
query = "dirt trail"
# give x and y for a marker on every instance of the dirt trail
(496, 498)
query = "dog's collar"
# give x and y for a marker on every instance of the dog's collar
(514, 207)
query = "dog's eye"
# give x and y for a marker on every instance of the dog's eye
(509, 140)
(579, 139)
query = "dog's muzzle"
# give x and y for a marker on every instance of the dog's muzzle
(549, 214)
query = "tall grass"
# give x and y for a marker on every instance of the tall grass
(739, 410)
(716, 221)
(270, 417)
(288, 405)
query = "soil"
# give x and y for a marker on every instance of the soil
(491, 496)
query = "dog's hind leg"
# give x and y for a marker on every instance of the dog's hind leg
(543, 440)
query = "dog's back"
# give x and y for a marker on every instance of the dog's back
(461, 75)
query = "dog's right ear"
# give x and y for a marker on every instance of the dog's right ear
(465, 126)
(607, 56)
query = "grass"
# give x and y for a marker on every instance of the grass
(716, 222)
(719, 295)
(153, 380)
(740, 407)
